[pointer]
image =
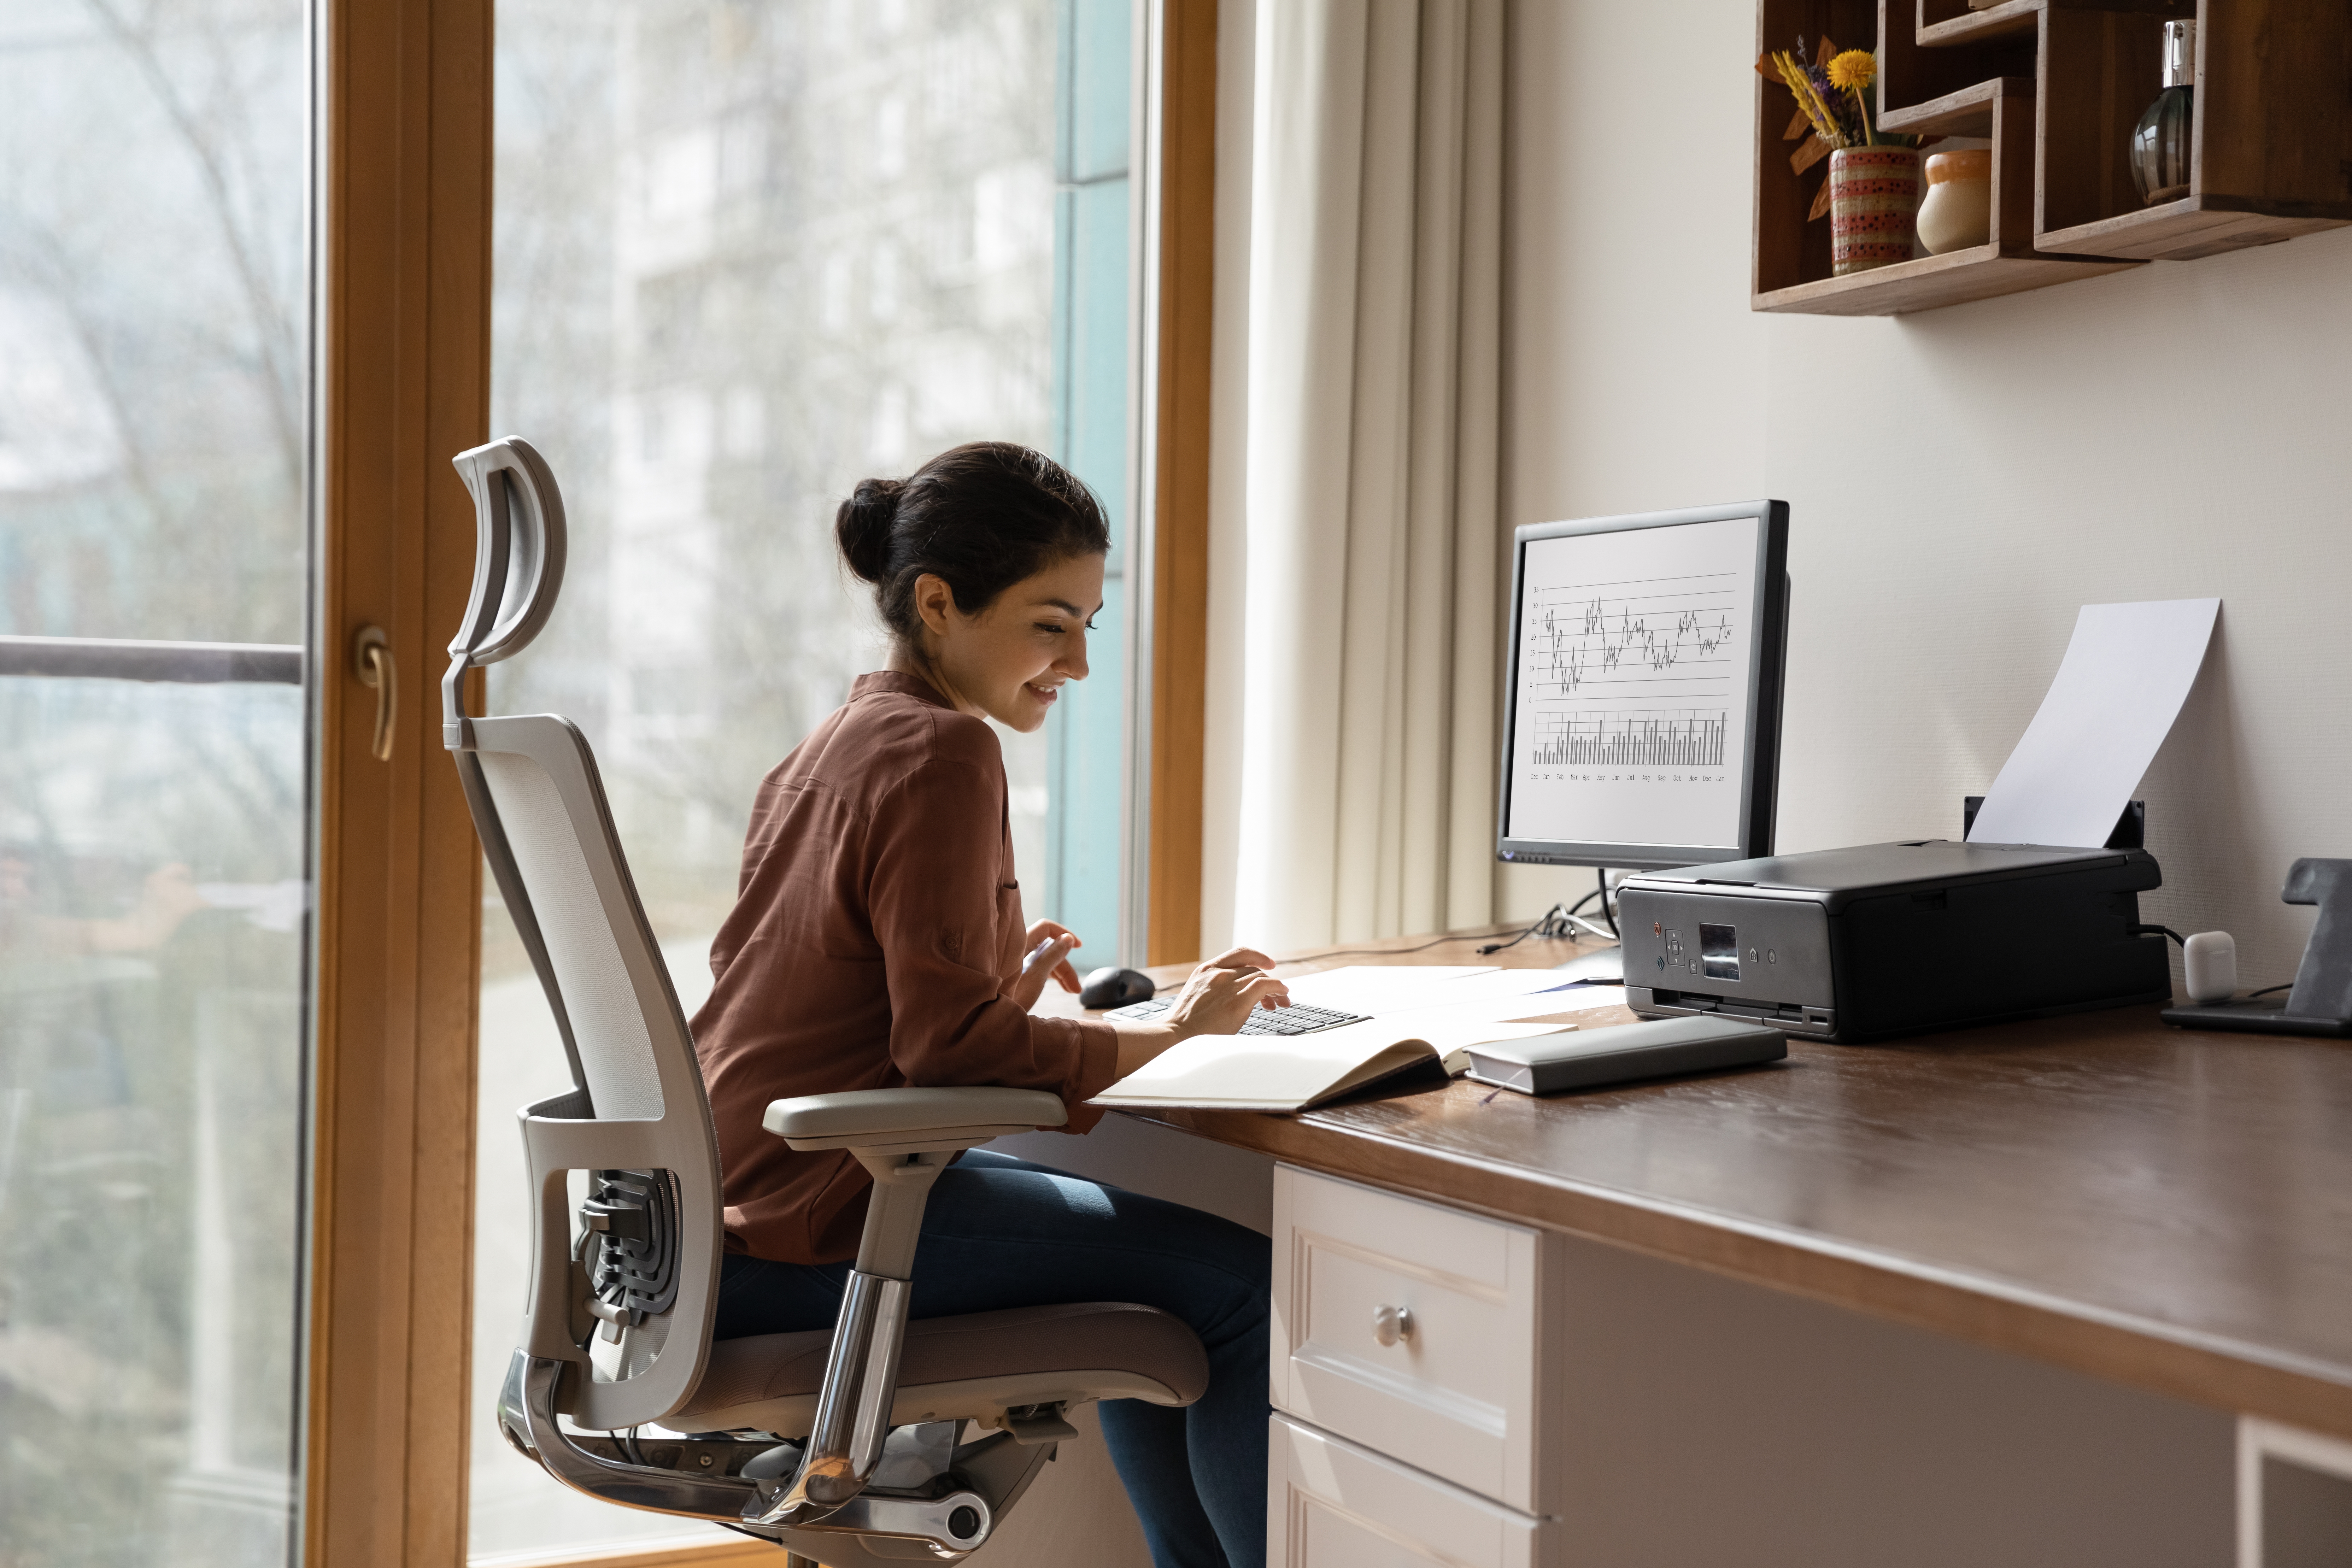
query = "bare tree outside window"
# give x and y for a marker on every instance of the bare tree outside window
(153, 375)
(746, 255)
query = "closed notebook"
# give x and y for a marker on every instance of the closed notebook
(1298, 1072)
(1631, 1051)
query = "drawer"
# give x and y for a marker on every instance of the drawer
(1460, 1394)
(1332, 1504)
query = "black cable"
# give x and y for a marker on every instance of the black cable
(1606, 913)
(2158, 931)
(1553, 922)
(1366, 951)
(2268, 989)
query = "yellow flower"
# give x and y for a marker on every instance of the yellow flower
(1852, 70)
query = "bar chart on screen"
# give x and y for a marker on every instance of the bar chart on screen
(1671, 738)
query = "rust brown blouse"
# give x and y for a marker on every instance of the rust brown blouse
(876, 929)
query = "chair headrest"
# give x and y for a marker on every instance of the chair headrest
(518, 562)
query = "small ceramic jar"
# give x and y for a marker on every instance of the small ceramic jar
(1957, 212)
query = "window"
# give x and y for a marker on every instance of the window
(745, 256)
(153, 388)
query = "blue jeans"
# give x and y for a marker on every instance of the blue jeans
(1000, 1233)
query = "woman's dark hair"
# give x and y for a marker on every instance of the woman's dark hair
(980, 517)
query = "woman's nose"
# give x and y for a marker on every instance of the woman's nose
(1073, 663)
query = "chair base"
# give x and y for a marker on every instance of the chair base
(943, 1521)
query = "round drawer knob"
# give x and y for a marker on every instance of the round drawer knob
(1390, 1324)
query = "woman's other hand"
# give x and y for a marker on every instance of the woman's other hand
(1050, 945)
(1219, 995)
(1241, 958)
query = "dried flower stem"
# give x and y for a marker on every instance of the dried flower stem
(1800, 84)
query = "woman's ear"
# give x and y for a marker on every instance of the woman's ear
(933, 602)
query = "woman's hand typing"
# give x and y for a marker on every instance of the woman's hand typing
(1217, 999)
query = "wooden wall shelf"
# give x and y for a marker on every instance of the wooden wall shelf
(2057, 86)
(1957, 25)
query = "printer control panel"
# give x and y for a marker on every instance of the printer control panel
(1699, 952)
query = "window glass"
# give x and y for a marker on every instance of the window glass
(745, 256)
(153, 354)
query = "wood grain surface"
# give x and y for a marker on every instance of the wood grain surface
(2167, 1208)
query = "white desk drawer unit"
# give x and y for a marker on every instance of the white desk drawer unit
(1332, 1504)
(1415, 1331)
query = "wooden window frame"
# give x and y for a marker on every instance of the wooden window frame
(1184, 180)
(403, 194)
(403, 198)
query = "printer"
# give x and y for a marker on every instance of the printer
(1894, 939)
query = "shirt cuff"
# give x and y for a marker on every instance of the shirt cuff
(1098, 1070)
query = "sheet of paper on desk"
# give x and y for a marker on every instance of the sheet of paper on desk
(1379, 979)
(2128, 671)
(1378, 991)
(1507, 1009)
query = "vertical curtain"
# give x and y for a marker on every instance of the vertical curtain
(1369, 624)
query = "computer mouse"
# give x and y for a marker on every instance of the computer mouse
(1109, 988)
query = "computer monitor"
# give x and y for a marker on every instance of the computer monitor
(1641, 723)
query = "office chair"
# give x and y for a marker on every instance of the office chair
(883, 1441)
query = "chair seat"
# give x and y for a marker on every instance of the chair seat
(973, 1367)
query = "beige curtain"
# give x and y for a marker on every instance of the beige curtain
(1370, 641)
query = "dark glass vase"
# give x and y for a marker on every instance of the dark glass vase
(2160, 143)
(2159, 147)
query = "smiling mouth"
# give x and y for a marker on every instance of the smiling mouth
(1044, 693)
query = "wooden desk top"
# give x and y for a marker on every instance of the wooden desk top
(2168, 1208)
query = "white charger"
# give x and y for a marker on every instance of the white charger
(2211, 960)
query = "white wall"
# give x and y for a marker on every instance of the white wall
(1959, 480)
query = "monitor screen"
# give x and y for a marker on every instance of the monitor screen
(1644, 687)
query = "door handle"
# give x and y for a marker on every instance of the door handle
(371, 662)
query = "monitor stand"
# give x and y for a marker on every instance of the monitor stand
(1605, 966)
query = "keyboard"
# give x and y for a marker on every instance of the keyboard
(1296, 1019)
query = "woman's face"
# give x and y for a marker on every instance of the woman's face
(1009, 661)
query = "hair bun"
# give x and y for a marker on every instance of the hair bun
(862, 526)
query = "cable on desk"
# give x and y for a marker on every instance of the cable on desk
(2268, 989)
(2158, 931)
(1559, 921)
(1552, 922)
(1369, 952)
(1555, 921)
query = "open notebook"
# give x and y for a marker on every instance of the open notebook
(1298, 1072)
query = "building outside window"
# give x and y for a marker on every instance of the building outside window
(745, 256)
(154, 389)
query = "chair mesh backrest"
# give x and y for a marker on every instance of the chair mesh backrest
(585, 945)
(635, 1115)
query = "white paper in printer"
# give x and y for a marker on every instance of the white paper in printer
(2128, 671)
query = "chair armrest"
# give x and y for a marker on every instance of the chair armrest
(911, 1120)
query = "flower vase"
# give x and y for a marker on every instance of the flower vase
(1874, 198)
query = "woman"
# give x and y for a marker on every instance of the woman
(877, 940)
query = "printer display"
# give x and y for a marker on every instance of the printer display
(1894, 939)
